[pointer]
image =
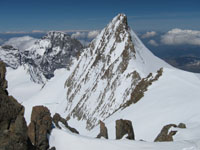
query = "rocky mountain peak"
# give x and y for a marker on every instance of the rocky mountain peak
(122, 19)
(55, 34)
(108, 73)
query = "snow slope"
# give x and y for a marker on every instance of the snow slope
(66, 140)
(173, 98)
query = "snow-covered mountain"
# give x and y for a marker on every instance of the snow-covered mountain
(41, 57)
(116, 77)
(110, 74)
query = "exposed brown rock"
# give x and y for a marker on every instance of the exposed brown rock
(40, 127)
(165, 135)
(52, 148)
(3, 82)
(181, 125)
(57, 118)
(103, 131)
(141, 88)
(124, 127)
(13, 128)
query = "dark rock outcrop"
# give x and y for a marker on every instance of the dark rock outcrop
(57, 118)
(13, 128)
(3, 82)
(124, 127)
(165, 135)
(52, 148)
(40, 127)
(103, 131)
(182, 125)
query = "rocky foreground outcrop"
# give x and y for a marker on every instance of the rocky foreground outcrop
(58, 119)
(103, 130)
(124, 127)
(40, 127)
(13, 128)
(14, 133)
(166, 134)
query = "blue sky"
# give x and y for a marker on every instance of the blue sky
(28, 15)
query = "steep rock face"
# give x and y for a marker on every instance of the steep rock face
(3, 82)
(51, 52)
(124, 127)
(40, 127)
(13, 128)
(107, 73)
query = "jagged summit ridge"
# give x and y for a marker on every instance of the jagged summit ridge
(107, 72)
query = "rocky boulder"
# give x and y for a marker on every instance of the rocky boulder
(40, 127)
(165, 135)
(57, 118)
(124, 127)
(103, 131)
(182, 125)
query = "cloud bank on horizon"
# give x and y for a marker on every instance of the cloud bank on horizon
(181, 37)
(173, 37)
(149, 34)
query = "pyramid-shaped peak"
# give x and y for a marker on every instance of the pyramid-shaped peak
(120, 19)
(120, 16)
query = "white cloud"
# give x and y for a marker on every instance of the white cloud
(16, 32)
(79, 35)
(38, 31)
(93, 34)
(85, 35)
(21, 43)
(180, 37)
(149, 34)
(153, 42)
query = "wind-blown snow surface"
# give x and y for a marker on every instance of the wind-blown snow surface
(174, 98)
